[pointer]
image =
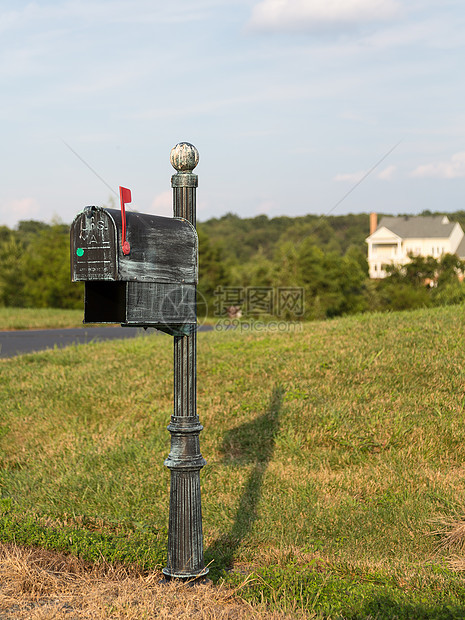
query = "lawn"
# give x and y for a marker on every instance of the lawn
(49, 318)
(335, 477)
(39, 318)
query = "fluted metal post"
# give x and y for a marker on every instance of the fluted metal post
(185, 539)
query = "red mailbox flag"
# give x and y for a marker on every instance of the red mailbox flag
(125, 198)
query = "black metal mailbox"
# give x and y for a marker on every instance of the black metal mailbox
(152, 286)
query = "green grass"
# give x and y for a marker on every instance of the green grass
(333, 454)
(50, 318)
(39, 318)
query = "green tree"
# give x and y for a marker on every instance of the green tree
(213, 271)
(408, 286)
(28, 229)
(258, 271)
(359, 255)
(403, 296)
(46, 271)
(449, 294)
(333, 284)
(286, 264)
(448, 270)
(416, 272)
(11, 271)
(5, 233)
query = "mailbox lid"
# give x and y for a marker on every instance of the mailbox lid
(94, 246)
(163, 249)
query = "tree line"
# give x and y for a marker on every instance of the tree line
(326, 258)
(322, 257)
(35, 267)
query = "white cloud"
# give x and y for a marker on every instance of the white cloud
(350, 177)
(355, 177)
(19, 209)
(452, 169)
(387, 173)
(315, 14)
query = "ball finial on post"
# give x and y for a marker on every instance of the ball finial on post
(184, 157)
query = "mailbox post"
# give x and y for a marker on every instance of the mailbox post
(149, 280)
(185, 539)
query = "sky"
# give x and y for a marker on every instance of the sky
(295, 106)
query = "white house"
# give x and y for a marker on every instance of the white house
(395, 238)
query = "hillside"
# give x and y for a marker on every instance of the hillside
(242, 238)
(335, 460)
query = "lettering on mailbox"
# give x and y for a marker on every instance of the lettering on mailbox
(94, 247)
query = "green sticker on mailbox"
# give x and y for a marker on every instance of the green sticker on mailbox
(80, 251)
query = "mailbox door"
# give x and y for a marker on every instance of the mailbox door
(94, 246)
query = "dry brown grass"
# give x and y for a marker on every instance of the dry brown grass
(451, 534)
(40, 585)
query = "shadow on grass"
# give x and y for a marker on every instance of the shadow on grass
(253, 442)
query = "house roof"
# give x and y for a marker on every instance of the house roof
(429, 226)
(460, 251)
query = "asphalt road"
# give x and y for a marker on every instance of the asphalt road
(26, 341)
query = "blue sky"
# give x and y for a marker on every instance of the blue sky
(289, 102)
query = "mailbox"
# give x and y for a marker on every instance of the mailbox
(154, 285)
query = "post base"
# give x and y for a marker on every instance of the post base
(184, 576)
